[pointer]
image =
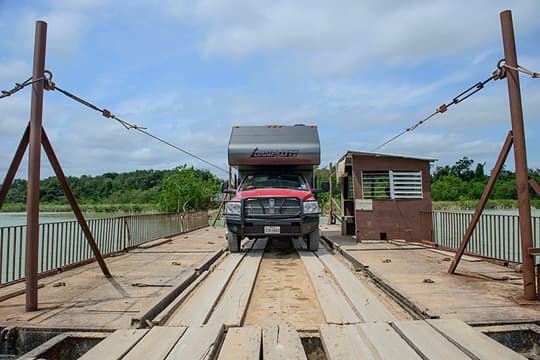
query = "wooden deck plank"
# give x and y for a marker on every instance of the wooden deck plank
(157, 344)
(365, 302)
(198, 307)
(115, 345)
(473, 341)
(335, 308)
(164, 315)
(241, 344)
(343, 342)
(230, 310)
(386, 344)
(428, 341)
(198, 342)
(282, 342)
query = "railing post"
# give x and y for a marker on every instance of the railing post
(34, 164)
(330, 208)
(520, 154)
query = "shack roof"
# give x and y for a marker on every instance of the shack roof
(372, 154)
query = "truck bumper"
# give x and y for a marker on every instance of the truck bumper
(254, 227)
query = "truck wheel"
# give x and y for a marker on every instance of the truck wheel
(234, 242)
(313, 240)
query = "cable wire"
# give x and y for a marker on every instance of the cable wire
(498, 74)
(19, 86)
(524, 70)
(49, 85)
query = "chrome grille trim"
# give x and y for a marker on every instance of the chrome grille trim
(272, 206)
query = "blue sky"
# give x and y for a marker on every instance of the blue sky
(189, 70)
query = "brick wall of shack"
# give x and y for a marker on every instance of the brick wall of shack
(406, 219)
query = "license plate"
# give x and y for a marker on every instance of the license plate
(272, 230)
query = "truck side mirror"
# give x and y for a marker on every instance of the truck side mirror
(225, 188)
(324, 188)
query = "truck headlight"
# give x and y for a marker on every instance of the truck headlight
(233, 207)
(311, 207)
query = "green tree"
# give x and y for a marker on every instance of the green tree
(188, 189)
(449, 188)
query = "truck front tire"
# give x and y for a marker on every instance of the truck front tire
(313, 240)
(234, 242)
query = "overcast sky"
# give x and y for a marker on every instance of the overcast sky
(190, 70)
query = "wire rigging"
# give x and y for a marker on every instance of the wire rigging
(524, 70)
(49, 85)
(498, 74)
(19, 86)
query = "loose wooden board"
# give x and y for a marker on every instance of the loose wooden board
(343, 342)
(231, 308)
(282, 342)
(241, 344)
(365, 302)
(198, 342)
(163, 316)
(156, 344)
(428, 341)
(473, 341)
(115, 345)
(333, 304)
(385, 343)
(198, 307)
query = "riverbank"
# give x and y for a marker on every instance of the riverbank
(87, 208)
(496, 204)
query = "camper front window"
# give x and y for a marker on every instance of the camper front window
(295, 182)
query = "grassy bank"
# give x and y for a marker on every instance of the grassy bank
(97, 208)
(497, 204)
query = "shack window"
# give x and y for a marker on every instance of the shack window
(376, 185)
(392, 185)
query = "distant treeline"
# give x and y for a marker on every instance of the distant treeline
(466, 181)
(141, 187)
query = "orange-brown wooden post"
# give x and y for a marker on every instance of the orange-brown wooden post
(34, 164)
(520, 155)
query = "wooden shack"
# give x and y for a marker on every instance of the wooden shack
(385, 196)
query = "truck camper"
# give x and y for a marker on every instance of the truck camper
(274, 194)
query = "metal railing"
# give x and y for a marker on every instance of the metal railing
(496, 236)
(63, 245)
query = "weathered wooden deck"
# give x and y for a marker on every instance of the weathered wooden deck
(205, 298)
(83, 298)
(479, 293)
(415, 340)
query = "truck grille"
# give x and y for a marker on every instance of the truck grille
(272, 206)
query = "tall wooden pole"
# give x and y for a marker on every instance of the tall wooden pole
(520, 155)
(34, 164)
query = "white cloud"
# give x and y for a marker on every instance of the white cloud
(343, 35)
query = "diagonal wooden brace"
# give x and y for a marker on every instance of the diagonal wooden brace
(534, 185)
(483, 200)
(14, 166)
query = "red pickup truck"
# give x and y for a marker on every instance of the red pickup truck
(275, 195)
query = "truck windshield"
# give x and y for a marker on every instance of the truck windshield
(295, 182)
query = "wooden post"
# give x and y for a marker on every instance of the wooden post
(520, 155)
(34, 167)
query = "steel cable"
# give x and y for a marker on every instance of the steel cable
(18, 87)
(49, 85)
(524, 70)
(496, 75)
